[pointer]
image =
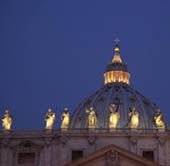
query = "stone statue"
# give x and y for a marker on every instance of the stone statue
(92, 118)
(134, 121)
(7, 120)
(49, 118)
(65, 119)
(114, 116)
(158, 117)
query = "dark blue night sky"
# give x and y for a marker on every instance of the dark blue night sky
(53, 53)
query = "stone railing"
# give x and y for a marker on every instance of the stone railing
(26, 165)
(121, 131)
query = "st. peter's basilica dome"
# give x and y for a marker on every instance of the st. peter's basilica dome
(116, 90)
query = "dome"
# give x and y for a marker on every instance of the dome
(125, 97)
(117, 91)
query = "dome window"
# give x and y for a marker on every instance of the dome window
(80, 118)
(101, 98)
(132, 98)
(146, 101)
(88, 101)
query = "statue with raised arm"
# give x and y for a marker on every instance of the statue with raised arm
(114, 116)
(7, 120)
(92, 118)
(65, 119)
(49, 118)
(134, 118)
(159, 119)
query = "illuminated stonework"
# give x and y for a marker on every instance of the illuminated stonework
(159, 120)
(49, 118)
(65, 119)
(134, 121)
(115, 126)
(117, 70)
(117, 76)
(7, 120)
(92, 118)
(114, 116)
(117, 58)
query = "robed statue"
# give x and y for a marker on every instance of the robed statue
(134, 118)
(159, 119)
(49, 118)
(114, 116)
(92, 118)
(7, 120)
(65, 119)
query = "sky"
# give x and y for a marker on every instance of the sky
(53, 53)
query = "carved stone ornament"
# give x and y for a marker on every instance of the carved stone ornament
(92, 118)
(134, 118)
(47, 141)
(5, 143)
(91, 140)
(63, 139)
(113, 158)
(49, 118)
(65, 119)
(7, 121)
(133, 140)
(162, 140)
(27, 147)
(159, 120)
(114, 116)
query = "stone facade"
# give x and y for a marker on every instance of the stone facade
(139, 136)
(55, 149)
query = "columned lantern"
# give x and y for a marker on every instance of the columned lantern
(117, 70)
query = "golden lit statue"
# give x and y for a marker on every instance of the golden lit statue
(159, 119)
(49, 118)
(114, 116)
(7, 120)
(134, 121)
(92, 118)
(65, 119)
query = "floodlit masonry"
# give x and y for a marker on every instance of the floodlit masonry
(115, 126)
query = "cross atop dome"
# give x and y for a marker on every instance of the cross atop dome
(117, 40)
(117, 58)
